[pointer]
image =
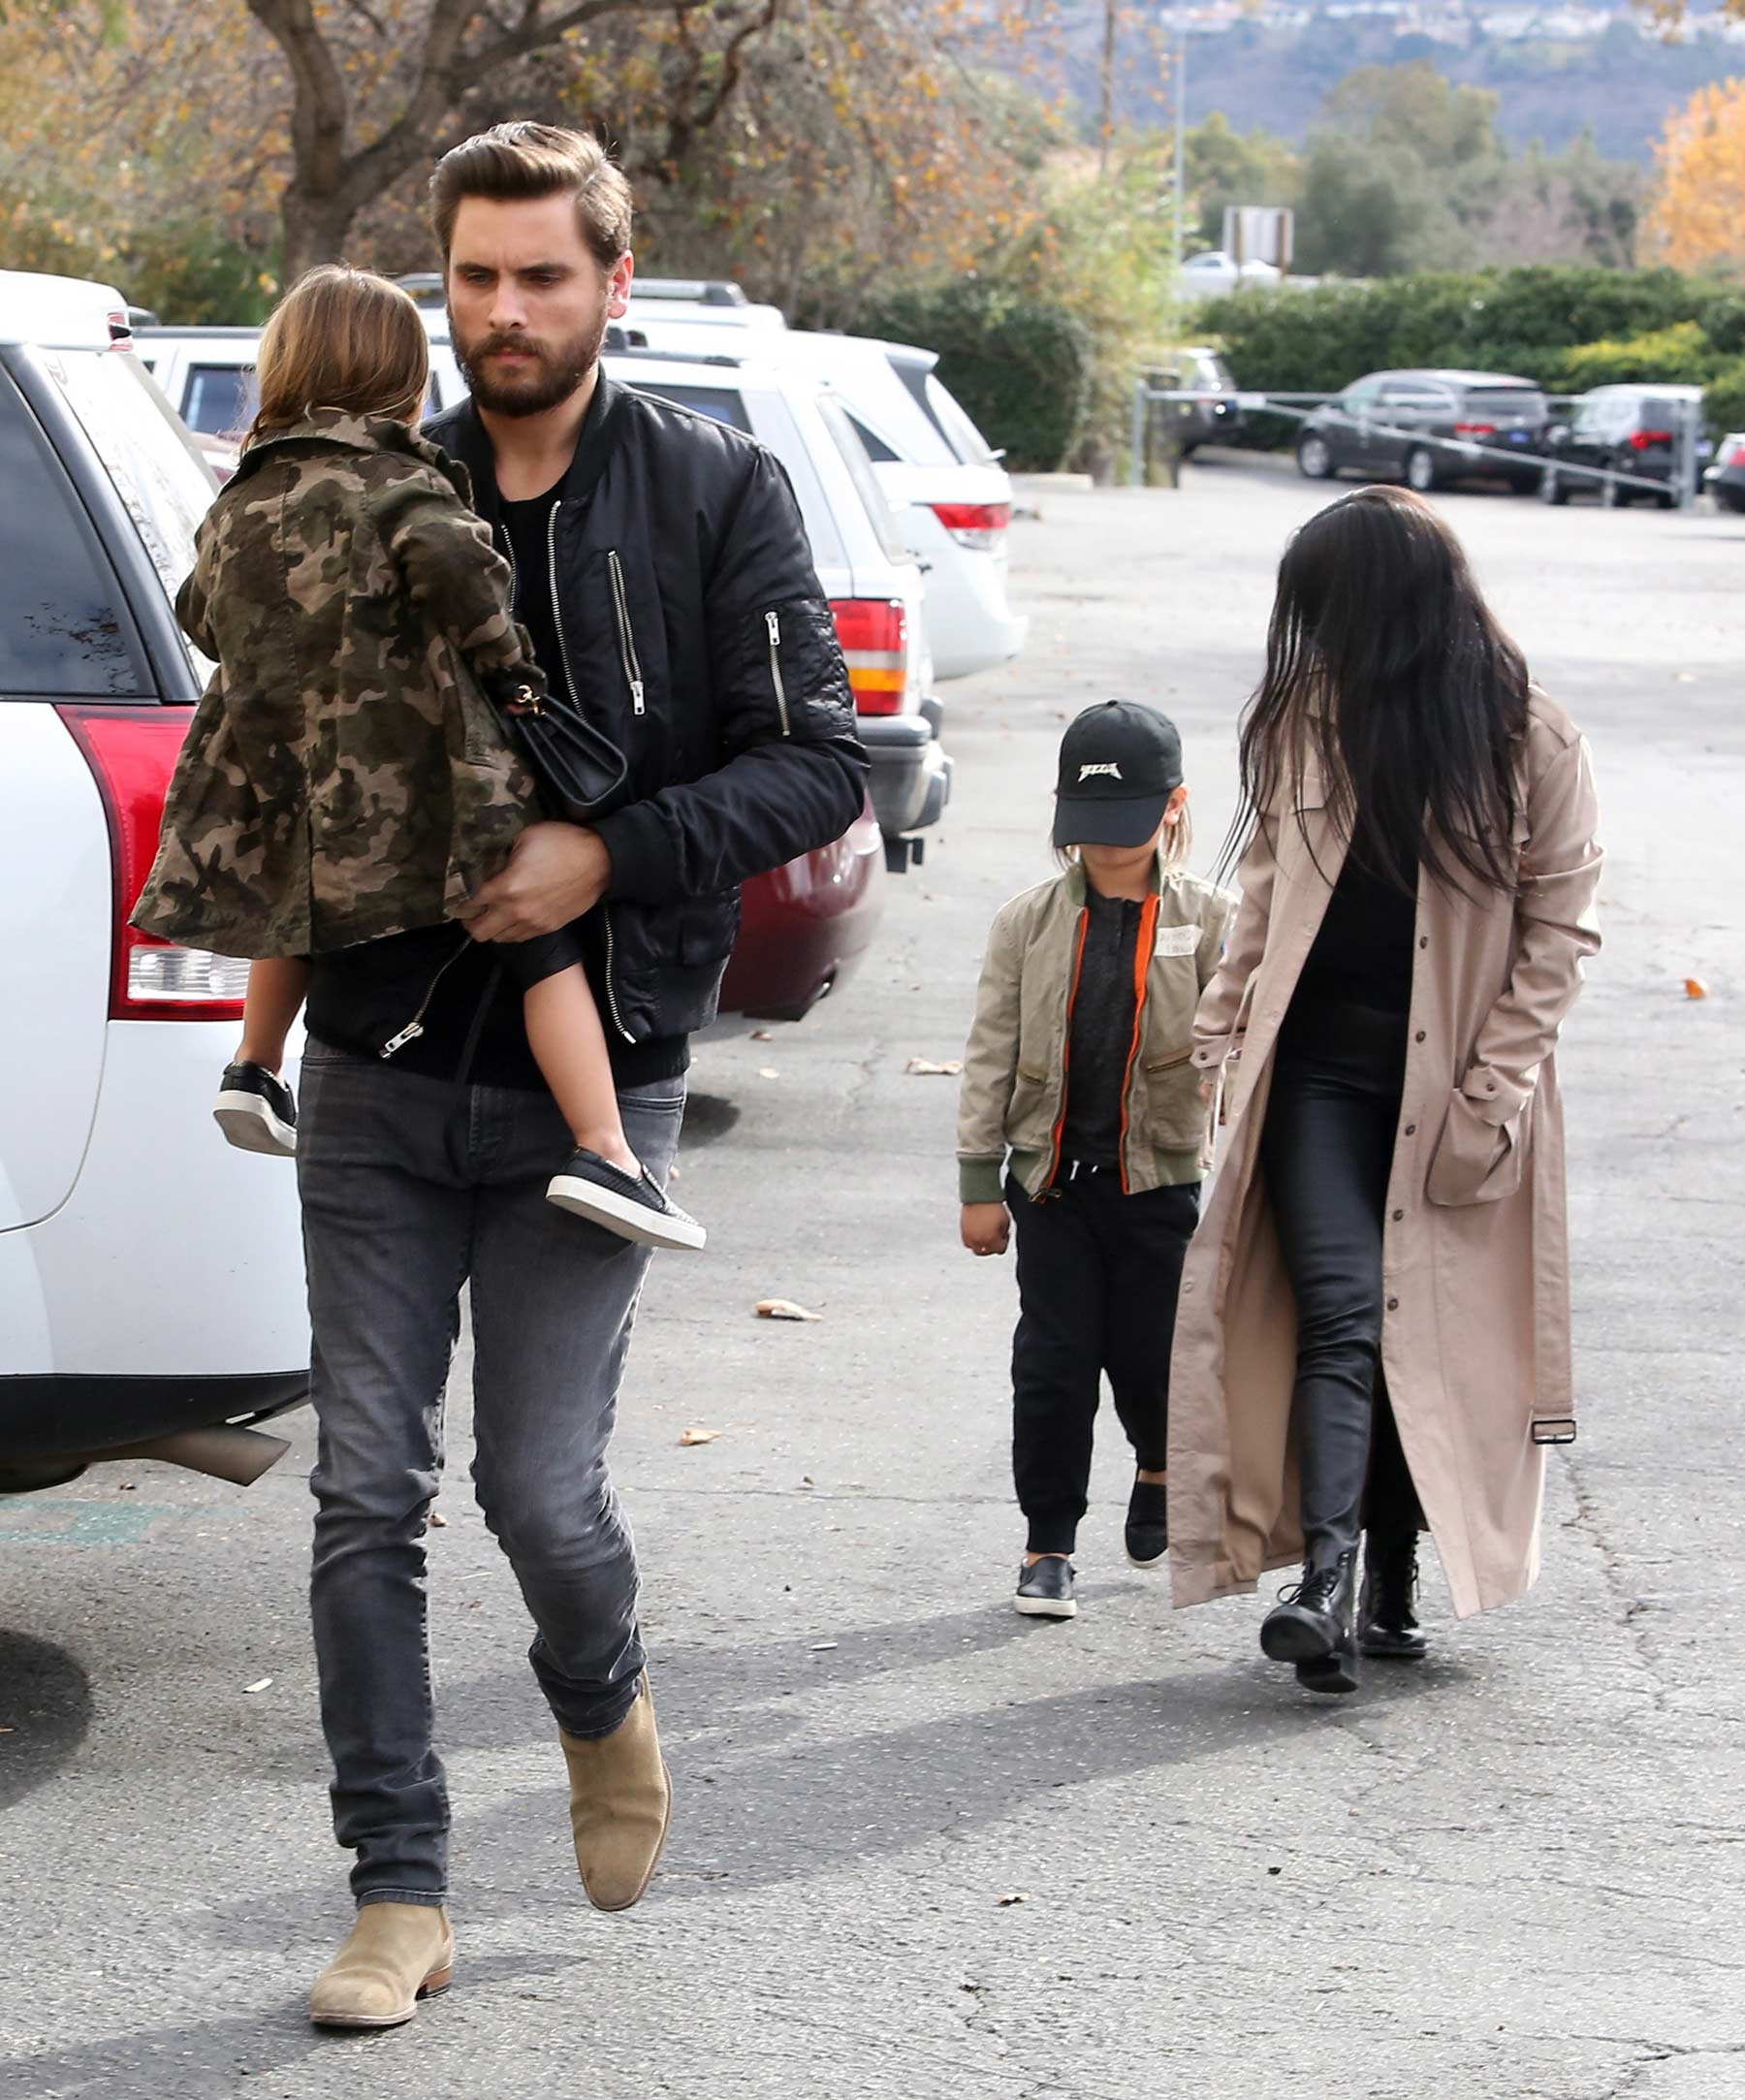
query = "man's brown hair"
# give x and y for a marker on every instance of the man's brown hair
(341, 339)
(520, 160)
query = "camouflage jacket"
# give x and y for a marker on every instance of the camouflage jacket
(345, 774)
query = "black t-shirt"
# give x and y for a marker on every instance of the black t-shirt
(459, 968)
(1362, 954)
(527, 526)
(1103, 1031)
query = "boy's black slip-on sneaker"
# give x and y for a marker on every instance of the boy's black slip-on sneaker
(1045, 1589)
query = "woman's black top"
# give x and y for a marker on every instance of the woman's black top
(1362, 955)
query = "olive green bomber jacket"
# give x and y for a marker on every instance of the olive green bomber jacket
(1014, 1104)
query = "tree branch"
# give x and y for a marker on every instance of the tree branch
(318, 107)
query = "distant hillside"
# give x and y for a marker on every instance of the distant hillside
(1273, 71)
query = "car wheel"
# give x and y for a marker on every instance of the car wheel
(1314, 457)
(1668, 501)
(1733, 499)
(1552, 487)
(1612, 496)
(1420, 469)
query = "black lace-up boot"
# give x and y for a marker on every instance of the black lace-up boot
(1314, 1626)
(1388, 1617)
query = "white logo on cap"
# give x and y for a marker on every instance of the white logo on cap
(1110, 772)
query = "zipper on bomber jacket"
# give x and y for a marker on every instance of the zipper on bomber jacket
(620, 606)
(415, 1027)
(612, 1004)
(569, 676)
(773, 623)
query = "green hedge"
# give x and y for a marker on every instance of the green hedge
(1567, 328)
(1020, 365)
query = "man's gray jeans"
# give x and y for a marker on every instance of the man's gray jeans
(411, 1186)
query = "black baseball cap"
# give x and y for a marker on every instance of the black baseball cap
(1120, 764)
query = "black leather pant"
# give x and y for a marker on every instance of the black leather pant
(1326, 1152)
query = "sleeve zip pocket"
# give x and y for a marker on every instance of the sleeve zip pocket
(620, 606)
(774, 623)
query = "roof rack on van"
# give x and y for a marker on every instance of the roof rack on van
(695, 291)
(229, 333)
(643, 355)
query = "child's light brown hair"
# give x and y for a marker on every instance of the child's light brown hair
(341, 339)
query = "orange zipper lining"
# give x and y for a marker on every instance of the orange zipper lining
(1142, 962)
(1078, 971)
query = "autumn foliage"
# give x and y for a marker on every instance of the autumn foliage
(1699, 214)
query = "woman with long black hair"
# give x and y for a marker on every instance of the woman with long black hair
(1374, 1328)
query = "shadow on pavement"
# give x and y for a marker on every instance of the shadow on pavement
(45, 1706)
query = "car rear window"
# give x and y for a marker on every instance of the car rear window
(1525, 402)
(841, 426)
(219, 400)
(877, 451)
(726, 404)
(63, 630)
(955, 424)
(156, 469)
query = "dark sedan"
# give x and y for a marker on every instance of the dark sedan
(1430, 430)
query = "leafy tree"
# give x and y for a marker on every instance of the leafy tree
(1698, 219)
(1228, 166)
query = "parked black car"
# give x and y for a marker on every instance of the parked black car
(1426, 429)
(1625, 429)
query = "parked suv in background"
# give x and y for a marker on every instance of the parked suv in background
(1724, 480)
(150, 1275)
(1217, 415)
(1426, 428)
(1624, 429)
(952, 496)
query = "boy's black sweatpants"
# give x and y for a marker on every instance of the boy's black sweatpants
(1097, 1277)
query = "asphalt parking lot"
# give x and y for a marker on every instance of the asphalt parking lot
(1509, 1874)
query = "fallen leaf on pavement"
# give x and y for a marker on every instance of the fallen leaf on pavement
(437, 1518)
(1695, 988)
(768, 1071)
(926, 1069)
(1018, 1895)
(763, 1034)
(698, 1436)
(259, 1685)
(783, 1309)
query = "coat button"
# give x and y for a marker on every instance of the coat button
(1412, 1130)
(1398, 1215)
(1420, 1036)
(1423, 940)
(1393, 1305)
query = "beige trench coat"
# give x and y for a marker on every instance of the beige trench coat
(1475, 1336)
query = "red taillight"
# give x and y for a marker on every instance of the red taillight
(132, 752)
(974, 525)
(874, 636)
(1645, 440)
(1476, 430)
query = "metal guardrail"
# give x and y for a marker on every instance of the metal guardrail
(1683, 484)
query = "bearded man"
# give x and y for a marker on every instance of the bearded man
(663, 573)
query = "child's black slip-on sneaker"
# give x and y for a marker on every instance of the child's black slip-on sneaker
(254, 1111)
(631, 1205)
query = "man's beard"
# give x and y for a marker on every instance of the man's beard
(558, 369)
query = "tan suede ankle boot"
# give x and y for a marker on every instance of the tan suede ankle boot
(394, 1955)
(620, 1802)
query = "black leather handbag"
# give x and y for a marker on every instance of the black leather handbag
(579, 769)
